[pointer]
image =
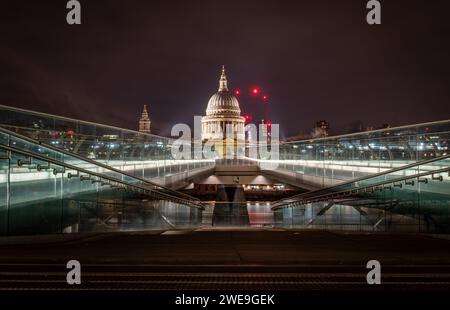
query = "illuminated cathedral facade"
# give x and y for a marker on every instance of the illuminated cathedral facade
(223, 125)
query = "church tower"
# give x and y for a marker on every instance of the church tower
(144, 121)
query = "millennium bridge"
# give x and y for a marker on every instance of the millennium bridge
(62, 175)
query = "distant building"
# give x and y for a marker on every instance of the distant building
(298, 137)
(322, 129)
(144, 121)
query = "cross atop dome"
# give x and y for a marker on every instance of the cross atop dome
(223, 81)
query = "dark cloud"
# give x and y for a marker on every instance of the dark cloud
(316, 60)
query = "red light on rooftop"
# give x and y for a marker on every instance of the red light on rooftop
(264, 97)
(237, 92)
(255, 91)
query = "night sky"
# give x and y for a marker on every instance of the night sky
(315, 59)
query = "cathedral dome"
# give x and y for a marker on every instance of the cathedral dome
(223, 102)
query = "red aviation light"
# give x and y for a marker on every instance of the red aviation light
(265, 97)
(255, 91)
(237, 92)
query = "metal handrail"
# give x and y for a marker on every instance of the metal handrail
(370, 176)
(349, 192)
(371, 132)
(60, 150)
(5, 107)
(56, 162)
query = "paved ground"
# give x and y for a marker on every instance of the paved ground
(226, 259)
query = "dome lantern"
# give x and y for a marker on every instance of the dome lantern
(223, 81)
